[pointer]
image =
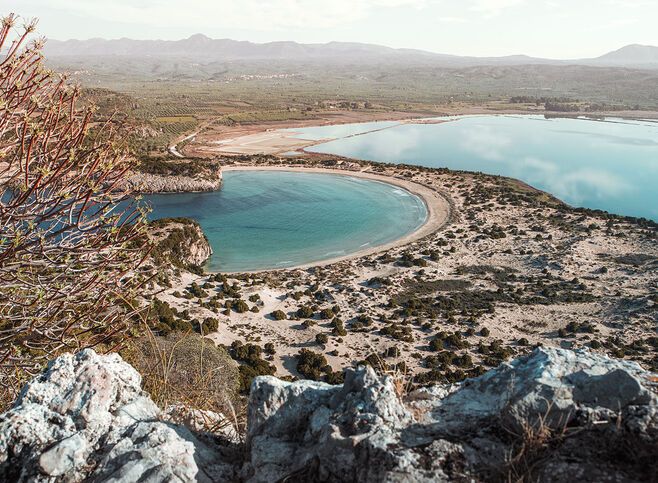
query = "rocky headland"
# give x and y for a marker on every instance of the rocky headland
(155, 183)
(154, 175)
(178, 243)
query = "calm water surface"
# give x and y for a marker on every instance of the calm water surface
(610, 165)
(266, 219)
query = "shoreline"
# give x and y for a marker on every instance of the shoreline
(439, 212)
(270, 139)
(475, 262)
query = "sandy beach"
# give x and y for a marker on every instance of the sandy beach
(281, 140)
(467, 251)
(269, 138)
(438, 207)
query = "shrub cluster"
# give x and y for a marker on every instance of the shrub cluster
(251, 363)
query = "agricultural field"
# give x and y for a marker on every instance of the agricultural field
(168, 101)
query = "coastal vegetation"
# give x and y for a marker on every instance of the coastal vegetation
(70, 249)
(499, 334)
(439, 310)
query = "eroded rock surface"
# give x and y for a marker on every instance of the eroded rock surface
(155, 183)
(548, 416)
(554, 415)
(86, 417)
(179, 241)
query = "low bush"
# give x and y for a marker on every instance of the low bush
(278, 315)
(186, 369)
(312, 365)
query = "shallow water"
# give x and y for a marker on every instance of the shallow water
(272, 219)
(610, 165)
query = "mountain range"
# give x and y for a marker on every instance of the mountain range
(202, 48)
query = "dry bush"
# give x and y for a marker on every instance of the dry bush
(185, 368)
(69, 249)
(533, 444)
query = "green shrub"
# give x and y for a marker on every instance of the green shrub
(252, 363)
(269, 348)
(326, 314)
(278, 315)
(305, 312)
(312, 365)
(196, 291)
(210, 324)
(338, 328)
(240, 306)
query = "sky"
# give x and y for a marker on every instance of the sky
(564, 29)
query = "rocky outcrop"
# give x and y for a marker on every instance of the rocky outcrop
(549, 416)
(180, 242)
(156, 183)
(157, 175)
(86, 417)
(554, 415)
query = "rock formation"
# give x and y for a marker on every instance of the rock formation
(179, 241)
(156, 183)
(86, 417)
(554, 415)
(565, 403)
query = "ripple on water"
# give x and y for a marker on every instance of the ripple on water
(609, 164)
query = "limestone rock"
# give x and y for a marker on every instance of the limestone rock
(86, 417)
(554, 415)
(180, 241)
(202, 421)
(155, 183)
(577, 403)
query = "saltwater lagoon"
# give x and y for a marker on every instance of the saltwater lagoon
(607, 164)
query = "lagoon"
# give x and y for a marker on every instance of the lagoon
(609, 164)
(278, 219)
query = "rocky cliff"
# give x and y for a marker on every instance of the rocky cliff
(156, 183)
(554, 415)
(154, 175)
(179, 242)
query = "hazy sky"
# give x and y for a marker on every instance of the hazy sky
(546, 28)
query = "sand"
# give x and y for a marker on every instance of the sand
(266, 137)
(565, 251)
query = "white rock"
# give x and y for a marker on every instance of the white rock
(86, 417)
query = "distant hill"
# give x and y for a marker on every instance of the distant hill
(204, 49)
(631, 55)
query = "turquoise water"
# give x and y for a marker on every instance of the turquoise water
(610, 165)
(273, 219)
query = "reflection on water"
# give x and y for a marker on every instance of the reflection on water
(610, 165)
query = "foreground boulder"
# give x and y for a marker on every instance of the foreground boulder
(86, 417)
(554, 415)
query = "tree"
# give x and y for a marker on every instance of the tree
(71, 239)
